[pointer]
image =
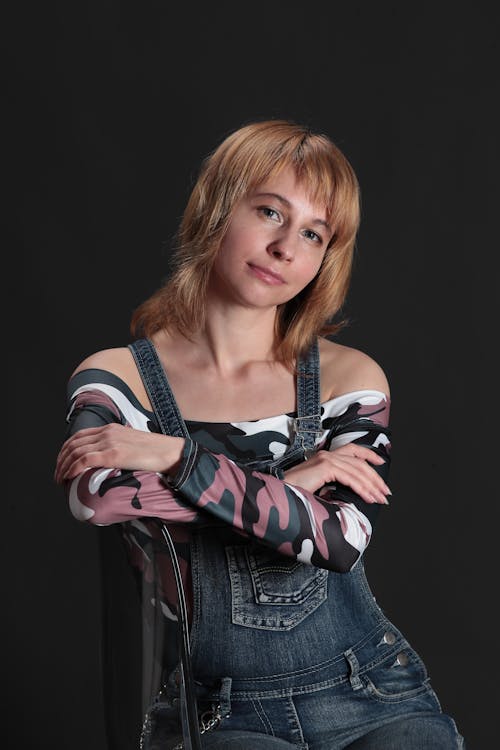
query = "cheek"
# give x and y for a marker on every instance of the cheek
(225, 252)
(310, 270)
(227, 261)
(221, 264)
(231, 246)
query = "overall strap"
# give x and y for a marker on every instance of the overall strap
(158, 388)
(171, 423)
(307, 423)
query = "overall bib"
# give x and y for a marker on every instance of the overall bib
(285, 654)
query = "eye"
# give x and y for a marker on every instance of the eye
(269, 213)
(310, 235)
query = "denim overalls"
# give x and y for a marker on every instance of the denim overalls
(281, 649)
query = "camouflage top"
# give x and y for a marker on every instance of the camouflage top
(329, 529)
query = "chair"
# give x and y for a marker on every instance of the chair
(140, 643)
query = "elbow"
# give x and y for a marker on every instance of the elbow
(342, 568)
(345, 556)
(345, 565)
(98, 517)
(83, 505)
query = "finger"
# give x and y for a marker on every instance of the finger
(361, 451)
(372, 477)
(79, 438)
(364, 480)
(91, 460)
(85, 437)
(90, 431)
(367, 455)
(354, 472)
(88, 434)
(360, 464)
(77, 455)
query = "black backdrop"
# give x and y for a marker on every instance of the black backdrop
(111, 106)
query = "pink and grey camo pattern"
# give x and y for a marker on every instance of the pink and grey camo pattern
(329, 529)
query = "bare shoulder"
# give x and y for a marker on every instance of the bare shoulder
(119, 362)
(345, 369)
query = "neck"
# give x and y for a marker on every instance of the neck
(233, 338)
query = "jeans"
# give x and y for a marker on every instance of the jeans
(424, 732)
(324, 672)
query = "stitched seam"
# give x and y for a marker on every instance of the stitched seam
(287, 692)
(297, 720)
(189, 463)
(324, 664)
(257, 707)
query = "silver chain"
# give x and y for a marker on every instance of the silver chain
(209, 720)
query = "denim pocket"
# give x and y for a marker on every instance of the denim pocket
(270, 591)
(399, 677)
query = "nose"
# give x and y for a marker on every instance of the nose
(281, 248)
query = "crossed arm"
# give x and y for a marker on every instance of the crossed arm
(321, 512)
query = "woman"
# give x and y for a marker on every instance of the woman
(273, 477)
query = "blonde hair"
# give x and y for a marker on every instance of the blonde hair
(245, 159)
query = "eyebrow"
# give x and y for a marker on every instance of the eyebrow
(287, 203)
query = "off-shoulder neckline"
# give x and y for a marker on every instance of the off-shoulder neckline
(290, 415)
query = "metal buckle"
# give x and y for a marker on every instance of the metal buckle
(309, 418)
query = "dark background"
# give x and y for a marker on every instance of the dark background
(110, 108)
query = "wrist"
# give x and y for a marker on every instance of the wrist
(174, 456)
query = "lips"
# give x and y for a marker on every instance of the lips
(266, 275)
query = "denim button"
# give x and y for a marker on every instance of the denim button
(389, 637)
(402, 659)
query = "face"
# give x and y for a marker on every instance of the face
(274, 245)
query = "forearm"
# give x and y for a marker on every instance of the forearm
(105, 496)
(296, 522)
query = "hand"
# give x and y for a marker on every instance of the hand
(116, 446)
(348, 465)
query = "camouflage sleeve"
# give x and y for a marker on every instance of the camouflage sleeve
(329, 529)
(103, 496)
